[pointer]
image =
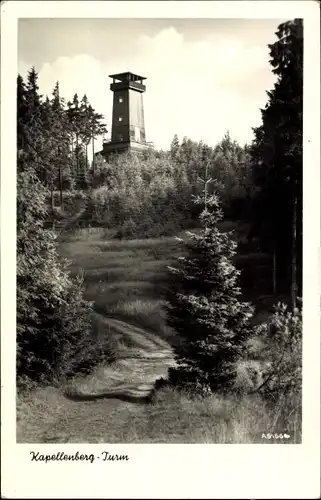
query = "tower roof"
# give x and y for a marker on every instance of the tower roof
(128, 76)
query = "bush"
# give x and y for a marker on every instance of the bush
(282, 336)
(81, 355)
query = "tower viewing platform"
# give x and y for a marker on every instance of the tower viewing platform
(127, 81)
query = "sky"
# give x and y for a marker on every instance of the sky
(204, 76)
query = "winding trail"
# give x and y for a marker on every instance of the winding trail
(99, 408)
(142, 358)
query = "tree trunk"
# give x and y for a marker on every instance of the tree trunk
(93, 143)
(52, 203)
(293, 252)
(77, 156)
(60, 176)
(72, 159)
(52, 199)
(60, 184)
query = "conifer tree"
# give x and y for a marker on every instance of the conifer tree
(174, 148)
(34, 99)
(205, 307)
(85, 112)
(74, 131)
(52, 316)
(97, 128)
(60, 141)
(31, 126)
(21, 113)
(85, 125)
(277, 158)
(49, 141)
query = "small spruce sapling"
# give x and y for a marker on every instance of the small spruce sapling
(205, 307)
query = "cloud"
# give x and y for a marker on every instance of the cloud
(202, 86)
(198, 89)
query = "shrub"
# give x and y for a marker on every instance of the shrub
(282, 336)
(81, 354)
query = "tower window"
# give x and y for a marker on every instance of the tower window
(120, 118)
(120, 137)
(120, 99)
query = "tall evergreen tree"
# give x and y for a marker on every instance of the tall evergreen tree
(75, 129)
(204, 306)
(85, 125)
(277, 158)
(35, 130)
(49, 141)
(97, 128)
(61, 142)
(22, 110)
(30, 125)
(86, 118)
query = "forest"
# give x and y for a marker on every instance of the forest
(199, 246)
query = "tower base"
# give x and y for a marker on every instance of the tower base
(110, 148)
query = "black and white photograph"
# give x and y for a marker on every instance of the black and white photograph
(159, 231)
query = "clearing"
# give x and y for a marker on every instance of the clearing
(125, 279)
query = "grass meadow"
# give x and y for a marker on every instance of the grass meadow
(126, 279)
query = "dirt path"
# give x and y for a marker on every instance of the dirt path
(141, 359)
(99, 407)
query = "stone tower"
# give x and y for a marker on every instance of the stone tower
(128, 125)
